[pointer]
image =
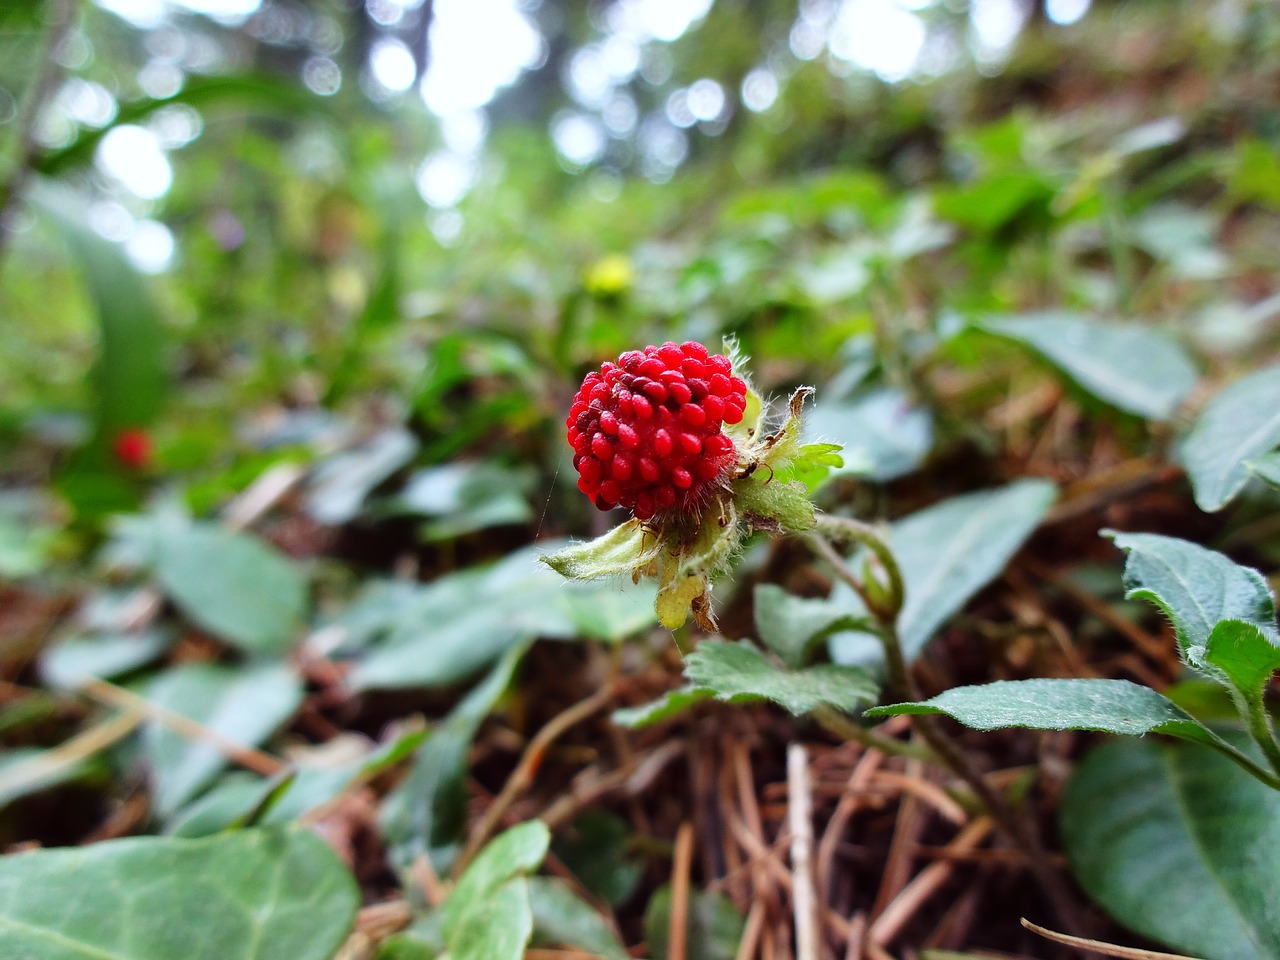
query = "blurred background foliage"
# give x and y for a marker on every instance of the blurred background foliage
(355, 214)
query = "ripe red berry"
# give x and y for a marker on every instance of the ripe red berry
(646, 431)
(132, 448)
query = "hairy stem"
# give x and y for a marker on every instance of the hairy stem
(1013, 824)
(1255, 716)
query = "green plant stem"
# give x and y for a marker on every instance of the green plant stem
(1245, 762)
(902, 685)
(1255, 716)
(833, 531)
(841, 726)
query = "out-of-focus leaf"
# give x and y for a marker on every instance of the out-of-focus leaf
(670, 704)
(243, 704)
(561, 917)
(714, 928)
(463, 621)
(427, 813)
(595, 850)
(1240, 424)
(488, 915)
(464, 497)
(232, 585)
(882, 435)
(1176, 843)
(70, 662)
(339, 486)
(1181, 236)
(1139, 369)
(791, 626)
(1267, 468)
(250, 895)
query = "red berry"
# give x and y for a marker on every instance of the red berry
(132, 448)
(647, 430)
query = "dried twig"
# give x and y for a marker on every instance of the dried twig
(678, 930)
(1101, 946)
(800, 819)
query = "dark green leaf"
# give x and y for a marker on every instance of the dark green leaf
(1112, 706)
(561, 917)
(713, 930)
(738, 671)
(791, 626)
(1179, 845)
(595, 850)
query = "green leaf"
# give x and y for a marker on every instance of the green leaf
(1240, 424)
(949, 551)
(627, 547)
(1110, 706)
(459, 623)
(670, 704)
(738, 671)
(791, 626)
(1195, 587)
(70, 662)
(1266, 467)
(1243, 655)
(427, 813)
(1179, 845)
(713, 931)
(243, 704)
(883, 435)
(563, 918)
(465, 497)
(339, 485)
(232, 585)
(488, 915)
(250, 895)
(1136, 368)
(596, 849)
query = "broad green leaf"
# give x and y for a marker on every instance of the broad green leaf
(563, 918)
(339, 485)
(232, 585)
(1240, 424)
(713, 931)
(1111, 706)
(427, 813)
(949, 551)
(465, 497)
(670, 704)
(1179, 845)
(244, 704)
(1266, 467)
(1195, 587)
(596, 849)
(459, 623)
(249, 895)
(738, 671)
(488, 915)
(1137, 368)
(70, 662)
(791, 626)
(883, 435)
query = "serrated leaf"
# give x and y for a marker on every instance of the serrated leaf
(738, 671)
(563, 918)
(1110, 706)
(248, 895)
(426, 814)
(1136, 368)
(1178, 844)
(243, 704)
(1241, 423)
(670, 704)
(1197, 588)
(232, 585)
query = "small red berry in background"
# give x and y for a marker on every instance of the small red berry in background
(132, 448)
(646, 431)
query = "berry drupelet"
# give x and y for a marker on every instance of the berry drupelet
(646, 431)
